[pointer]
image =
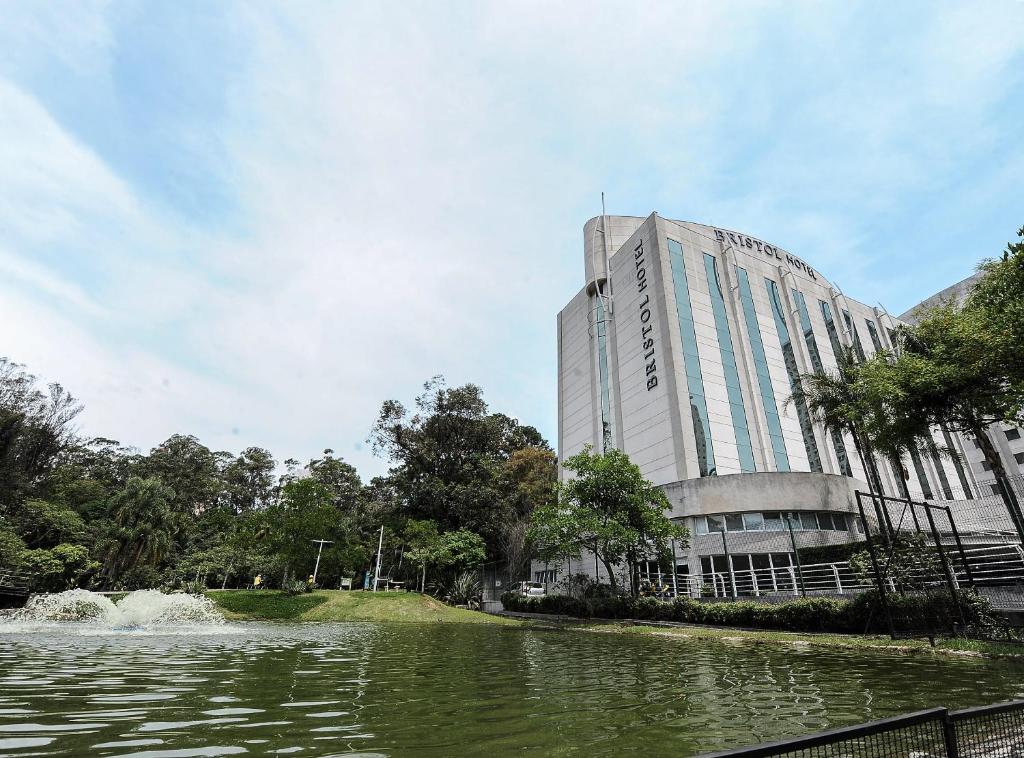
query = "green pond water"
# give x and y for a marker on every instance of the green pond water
(374, 689)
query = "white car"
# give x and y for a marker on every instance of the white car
(531, 589)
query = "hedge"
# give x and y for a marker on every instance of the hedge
(932, 610)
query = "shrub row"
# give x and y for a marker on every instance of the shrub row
(934, 610)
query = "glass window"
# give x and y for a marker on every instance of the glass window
(705, 564)
(793, 370)
(873, 333)
(740, 562)
(986, 465)
(812, 349)
(947, 491)
(922, 476)
(781, 559)
(1013, 434)
(715, 524)
(761, 561)
(809, 521)
(753, 522)
(734, 522)
(1019, 457)
(825, 521)
(732, 378)
(602, 368)
(691, 362)
(764, 379)
(720, 563)
(701, 525)
(773, 522)
(958, 465)
(858, 348)
(840, 522)
(830, 328)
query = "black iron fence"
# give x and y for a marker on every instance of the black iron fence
(991, 731)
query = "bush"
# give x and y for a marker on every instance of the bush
(933, 610)
(296, 587)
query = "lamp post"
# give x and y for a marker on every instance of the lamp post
(380, 546)
(318, 552)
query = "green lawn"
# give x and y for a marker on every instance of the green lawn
(848, 641)
(335, 605)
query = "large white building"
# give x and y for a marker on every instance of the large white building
(682, 349)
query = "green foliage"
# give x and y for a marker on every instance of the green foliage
(917, 612)
(143, 526)
(185, 515)
(460, 550)
(463, 588)
(449, 458)
(609, 509)
(813, 554)
(269, 604)
(908, 562)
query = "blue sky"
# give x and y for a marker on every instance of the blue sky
(255, 222)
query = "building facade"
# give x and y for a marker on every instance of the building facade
(1008, 440)
(682, 349)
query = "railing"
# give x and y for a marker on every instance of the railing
(987, 566)
(14, 582)
(985, 732)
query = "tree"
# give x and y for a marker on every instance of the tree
(35, 426)
(843, 404)
(421, 539)
(448, 456)
(530, 481)
(609, 509)
(248, 480)
(997, 299)
(143, 526)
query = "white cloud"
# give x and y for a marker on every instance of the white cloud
(410, 186)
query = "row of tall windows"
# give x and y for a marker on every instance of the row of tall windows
(695, 381)
(812, 349)
(772, 521)
(691, 362)
(793, 371)
(732, 378)
(764, 379)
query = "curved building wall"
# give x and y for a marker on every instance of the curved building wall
(683, 349)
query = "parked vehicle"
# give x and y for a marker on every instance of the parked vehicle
(531, 589)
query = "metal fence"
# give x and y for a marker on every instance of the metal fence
(996, 570)
(14, 583)
(991, 731)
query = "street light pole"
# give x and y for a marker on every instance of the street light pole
(319, 550)
(380, 546)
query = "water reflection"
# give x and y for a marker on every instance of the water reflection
(367, 689)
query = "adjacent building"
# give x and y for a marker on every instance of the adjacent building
(682, 348)
(1007, 439)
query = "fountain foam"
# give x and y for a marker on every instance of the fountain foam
(146, 611)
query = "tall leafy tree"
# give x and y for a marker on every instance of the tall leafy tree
(35, 427)
(608, 508)
(448, 454)
(143, 521)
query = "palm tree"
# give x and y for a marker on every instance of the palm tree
(837, 401)
(144, 526)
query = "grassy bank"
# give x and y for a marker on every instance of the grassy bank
(335, 605)
(955, 647)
